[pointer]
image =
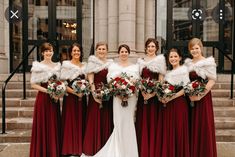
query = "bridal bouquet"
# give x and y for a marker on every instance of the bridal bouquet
(166, 90)
(123, 87)
(147, 85)
(81, 86)
(55, 88)
(195, 88)
(102, 92)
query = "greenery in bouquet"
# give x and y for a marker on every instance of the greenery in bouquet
(102, 92)
(55, 88)
(81, 86)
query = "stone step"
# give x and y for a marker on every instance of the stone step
(223, 102)
(16, 85)
(18, 123)
(224, 112)
(18, 112)
(16, 78)
(18, 93)
(18, 102)
(225, 122)
(223, 85)
(225, 135)
(221, 93)
(14, 149)
(16, 136)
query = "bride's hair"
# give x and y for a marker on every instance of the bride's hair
(125, 46)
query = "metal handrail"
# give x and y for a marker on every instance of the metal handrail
(4, 89)
(232, 69)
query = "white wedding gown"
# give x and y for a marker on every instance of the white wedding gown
(122, 142)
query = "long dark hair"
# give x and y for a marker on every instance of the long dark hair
(169, 66)
(80, 48)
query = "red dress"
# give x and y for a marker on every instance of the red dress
(99, 122)
(172, 139)
(46, 125)
(73, 123)
(146, 120)
(203, 141)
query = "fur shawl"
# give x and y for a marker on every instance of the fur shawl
(69, 71)
(178, 76)
(205, 68)
(41, 72)
(95, 65)
(158, 64)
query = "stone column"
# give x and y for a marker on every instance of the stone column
(140, 25)
(101, 21)
(4, 40)
(127, 22)
(150, 18)
(113, 25)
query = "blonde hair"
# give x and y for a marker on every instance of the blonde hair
(195, 41)
(101, 43)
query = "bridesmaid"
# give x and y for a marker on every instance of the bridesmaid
(99, 122)
(74, 105)
(151, 67)
(203, 141)
(46, 119)
(173, 134)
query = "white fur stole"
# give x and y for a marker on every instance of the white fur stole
(95, 65)
(41, 72)
(205, 68)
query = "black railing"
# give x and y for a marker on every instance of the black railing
(4, 88)
(232, 68)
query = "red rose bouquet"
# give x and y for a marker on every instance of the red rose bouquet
(102, 92)
(123, 87)
(147, 85)
(166, 90)
(55, 88)
(195, 88)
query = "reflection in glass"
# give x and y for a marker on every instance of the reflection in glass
(66, 23)
(182, 25)
(38, 20)
(209, 28)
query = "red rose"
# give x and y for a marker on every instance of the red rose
(58, 83)
(195, 84)
(132, 88)
(171, 87)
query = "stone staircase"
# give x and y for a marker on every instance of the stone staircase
(19, 117)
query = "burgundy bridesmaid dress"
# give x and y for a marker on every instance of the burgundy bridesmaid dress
(146, 120)
(99, 121)
(173, 132)
(45, 139)
(73, 123)
(203, 141)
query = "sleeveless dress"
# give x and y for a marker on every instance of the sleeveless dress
(45, 138)
(146, 115)
(99, 122)
(173, 131)
(202, 132)
(122, 142)
(73, 112)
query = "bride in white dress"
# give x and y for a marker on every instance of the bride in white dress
(122, 142)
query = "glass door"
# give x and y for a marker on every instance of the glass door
(209, 20)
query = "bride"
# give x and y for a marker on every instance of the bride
(122, 141)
